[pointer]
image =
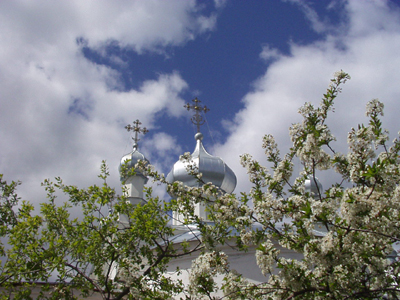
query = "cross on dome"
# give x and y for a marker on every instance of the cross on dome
(129, 161)
(137, 130)
(197, 119)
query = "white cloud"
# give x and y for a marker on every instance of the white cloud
(311, 15)
(220, 3)
(268, 53)
(162, 150)
(366, 48)
(140, 24)
(61, 114)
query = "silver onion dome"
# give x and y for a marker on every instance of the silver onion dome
(213, 169)
(313, 186)
(131, 159)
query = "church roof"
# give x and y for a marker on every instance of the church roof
(313, 186)
(212, 168)
(131, 159)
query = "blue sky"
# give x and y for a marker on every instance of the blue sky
(74, 73)
(221, 65)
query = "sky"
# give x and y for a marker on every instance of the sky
(74, 73)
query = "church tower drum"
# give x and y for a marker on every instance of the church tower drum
(134, 184)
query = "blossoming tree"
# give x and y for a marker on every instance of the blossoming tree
(359, 216)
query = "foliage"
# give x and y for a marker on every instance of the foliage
(88, 252)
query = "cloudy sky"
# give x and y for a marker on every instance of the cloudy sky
(74, 73)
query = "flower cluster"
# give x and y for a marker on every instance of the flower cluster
(204, 268)
(374, 107)
(267, 256)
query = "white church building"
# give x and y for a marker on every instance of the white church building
(216, 171)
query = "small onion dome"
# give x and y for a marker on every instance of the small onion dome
(134, 157)
(213, 169)
(313, 186)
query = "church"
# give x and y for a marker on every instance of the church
(212, 169)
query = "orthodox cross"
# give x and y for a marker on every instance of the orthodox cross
(136, 129)
(197, 119)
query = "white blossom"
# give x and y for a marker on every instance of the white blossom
(267, 257)
(374, 107)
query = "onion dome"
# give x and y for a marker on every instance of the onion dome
(213, 169)
(130, 160)
(313, 186)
